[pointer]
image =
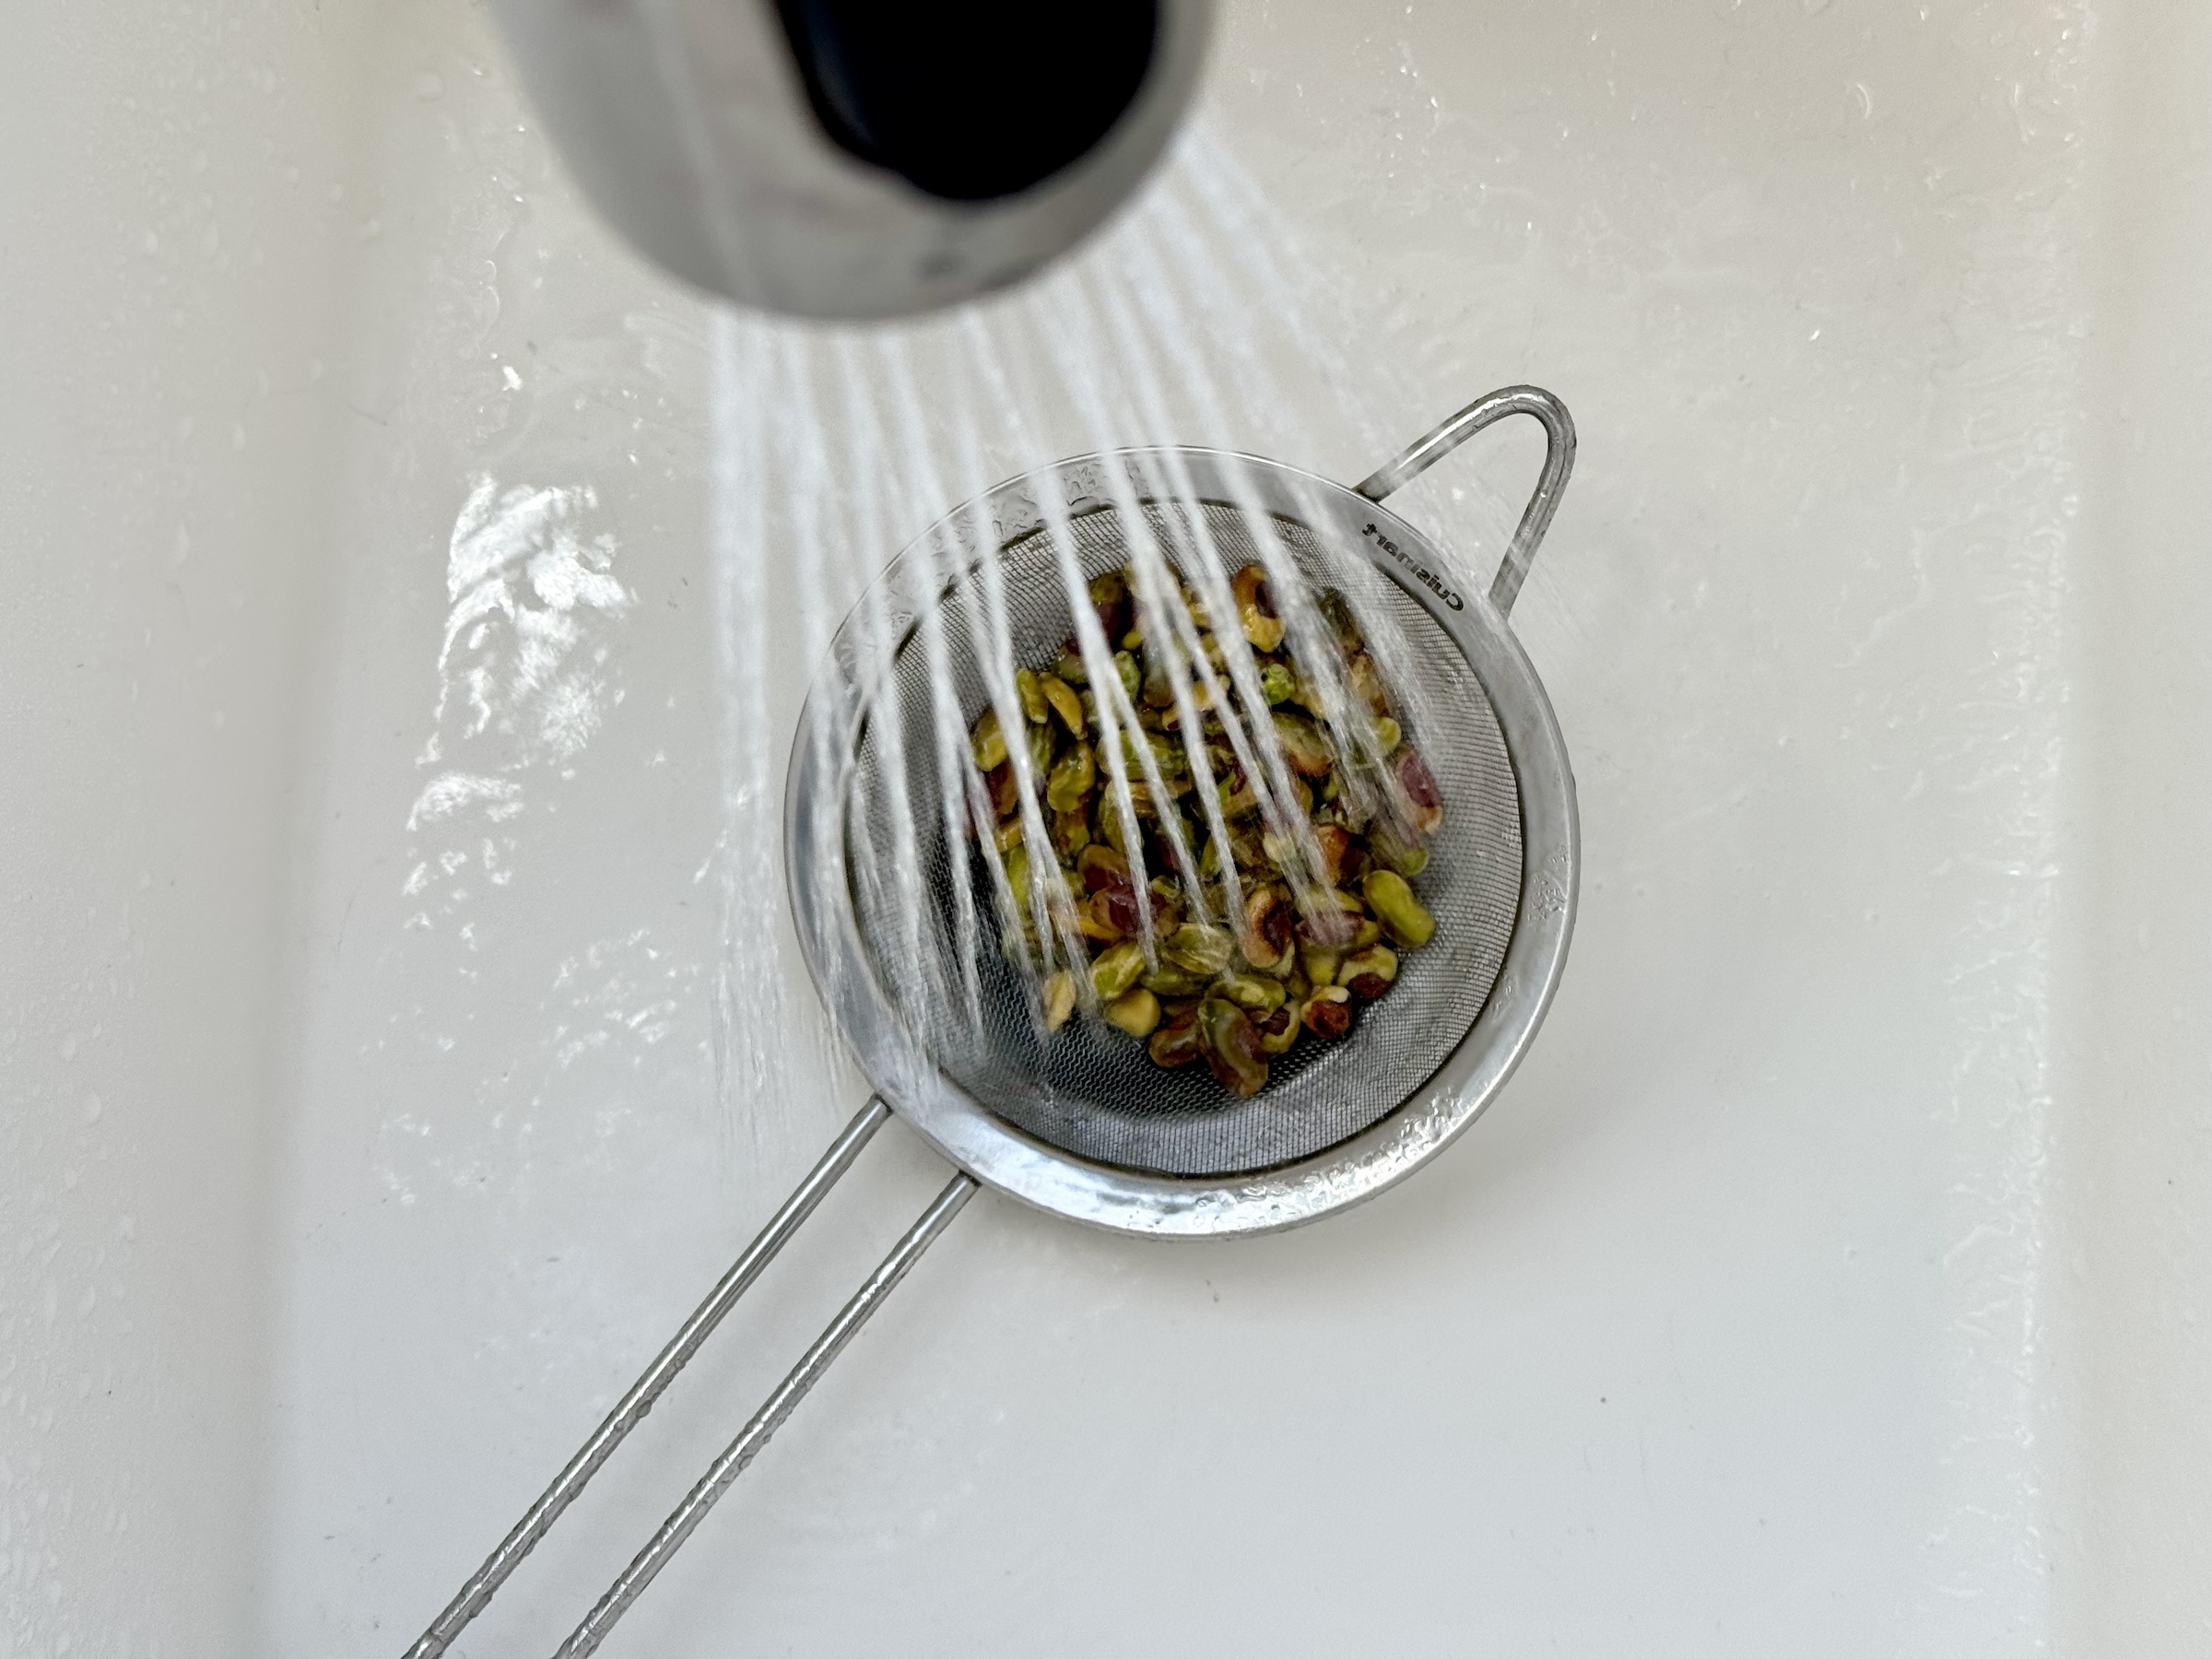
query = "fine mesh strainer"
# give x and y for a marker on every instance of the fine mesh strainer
(1088, 1090)
(1083, 1124)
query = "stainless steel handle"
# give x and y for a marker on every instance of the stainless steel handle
(631, 1409)
(724, 1471)
(1559, 462)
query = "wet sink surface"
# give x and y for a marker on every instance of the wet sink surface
(386, 1078)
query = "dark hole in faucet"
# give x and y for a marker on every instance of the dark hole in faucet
(970, 100)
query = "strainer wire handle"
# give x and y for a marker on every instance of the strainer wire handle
(1559, 462)
(630, 1410)
(722, 1473)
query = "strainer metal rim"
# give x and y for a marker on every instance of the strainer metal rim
(1000, 1156)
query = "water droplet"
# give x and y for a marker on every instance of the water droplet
(92, 1109)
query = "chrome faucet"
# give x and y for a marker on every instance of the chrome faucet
(854, 159)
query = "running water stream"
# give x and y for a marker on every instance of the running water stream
(835, 449)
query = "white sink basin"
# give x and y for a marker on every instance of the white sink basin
(374, 1099)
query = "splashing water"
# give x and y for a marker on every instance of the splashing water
(834, 448)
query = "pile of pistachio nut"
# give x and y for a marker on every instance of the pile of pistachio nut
(1234, 997)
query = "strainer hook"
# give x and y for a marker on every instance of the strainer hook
(1558, 463)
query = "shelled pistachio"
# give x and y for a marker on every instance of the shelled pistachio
(1294, 925)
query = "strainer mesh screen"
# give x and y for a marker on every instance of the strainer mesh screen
(1091, 1090)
